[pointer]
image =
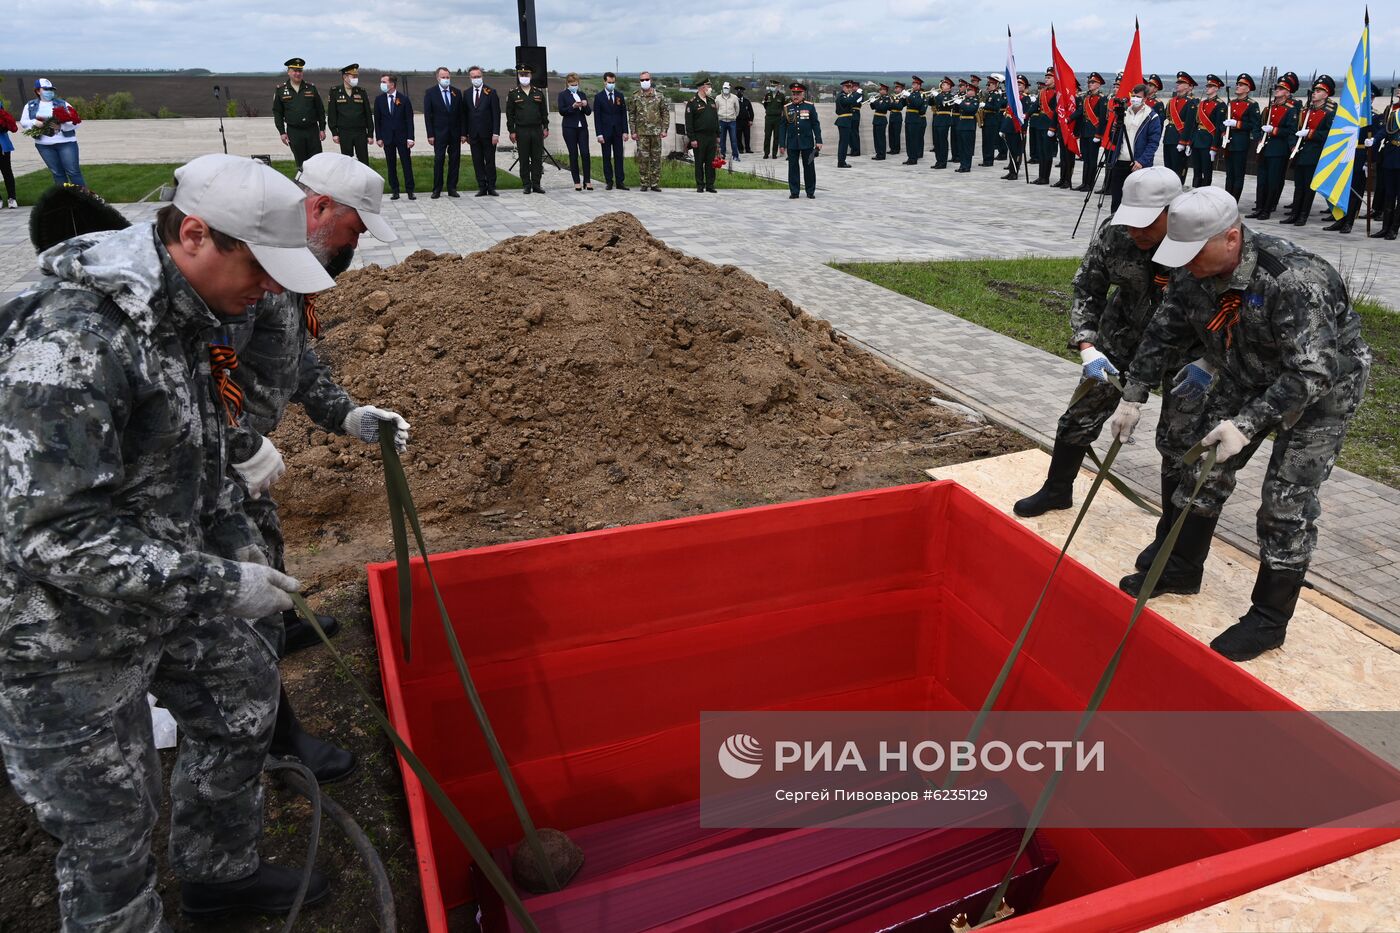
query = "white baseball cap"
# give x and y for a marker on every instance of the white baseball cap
(259, 206)
(1194, 218)
(352, 183)
(1146, 193)
(726, 86)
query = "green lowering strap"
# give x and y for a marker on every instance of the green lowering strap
(1123, 488)
(454, 818)
(1154, 573)
(400, 507)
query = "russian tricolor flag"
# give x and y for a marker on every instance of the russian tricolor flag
(1013, 89)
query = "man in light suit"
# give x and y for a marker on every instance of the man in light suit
(483, 122)
(393, 132)
(442, 112)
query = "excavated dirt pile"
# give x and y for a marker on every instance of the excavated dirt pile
(595, 376)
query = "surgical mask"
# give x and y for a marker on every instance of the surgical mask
(1135, 101)
(525, 82)
(646, 85)
(354, 82)
(574, 88)
(444, 82)
(612, 85)
(477, 82)
(46, 95)
(383, 87)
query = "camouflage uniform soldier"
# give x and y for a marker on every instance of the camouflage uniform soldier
(298, 113)
(116, 534)
(1107, 330)
(348, 115)
(649, 114)
(1278, 326)
(773, 102)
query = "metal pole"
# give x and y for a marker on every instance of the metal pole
(528, 34)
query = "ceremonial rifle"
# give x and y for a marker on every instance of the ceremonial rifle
(1307, 105)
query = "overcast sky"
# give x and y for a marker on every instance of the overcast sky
(718, 35)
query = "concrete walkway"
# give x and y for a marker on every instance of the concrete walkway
(886, 211)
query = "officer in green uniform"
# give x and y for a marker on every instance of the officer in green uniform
(702, 126)
(915, 105)
(943, 120)
(1015, 138)
(847, 108)
(802, 139)
(527, 121)
(967, 107)
(993, 105)
(900, 95)
(348, 115)
(880, 106)
(855, 117)
(774, 101)
(299, 114)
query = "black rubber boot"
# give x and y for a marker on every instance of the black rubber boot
(1164, 525)
(1058, 491)
(269, 890)
(328, 762)
(1385, 225)
(1264, 626)
(1186, 564)
(300, 635)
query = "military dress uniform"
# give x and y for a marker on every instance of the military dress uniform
(1316, 122)
(527, 118)
(802, 133)
(1365, 140)
(649, 115)
(992, 108)
(859, 102)
(1179, 129)
(1091, 122)
(880, 106)
(915, 105)
(349, 117)
(944, 119)
(967, 109)
(702, 126)
(1045, 125)
(773, 103)
(299, 114)
(847, 113)
(896, 113)
(1386, 204)
(1240, 138)
(1282, 122)
(1015, 139)
(1207, 136)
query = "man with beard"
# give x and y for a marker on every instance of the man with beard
(277, 366)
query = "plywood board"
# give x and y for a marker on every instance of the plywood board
(1333, 660)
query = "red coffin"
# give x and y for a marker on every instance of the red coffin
(596, 652)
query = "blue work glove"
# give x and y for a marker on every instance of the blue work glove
(1096, 365)
(1193, 381)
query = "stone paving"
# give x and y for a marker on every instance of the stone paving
(886, 211)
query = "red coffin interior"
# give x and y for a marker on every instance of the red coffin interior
(595, 654)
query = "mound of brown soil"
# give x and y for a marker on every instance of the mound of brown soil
(595, 376)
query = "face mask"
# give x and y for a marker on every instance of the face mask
(646, 85)
(612, 85)
(477, 82)
(574, 88)
(444, 82)
(354, 82)
(1135, 101)
(383, 87)
(524, 82)
(46, 95)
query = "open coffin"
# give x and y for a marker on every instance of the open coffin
(596, 653)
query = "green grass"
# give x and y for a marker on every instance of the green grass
(131, 182)
(1029, 299)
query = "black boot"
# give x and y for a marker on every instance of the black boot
(289, 740)
(1264, 626)
(269, 890)
(1385, 226)
(1058, 491)
(1185, 565)
(300, 635)
(1164, 525)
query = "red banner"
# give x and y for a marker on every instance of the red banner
(1066, 96)
(1132, 69)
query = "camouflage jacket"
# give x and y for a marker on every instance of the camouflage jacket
(649, 114)
(1117, 291)
(1281, 328)
(277, 366)
(113, 488)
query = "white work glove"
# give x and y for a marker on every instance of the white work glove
(1370, 141)
(1231, 123)
(261, 470)
(1180, 147)
(250, 554)
(1267, 127)
(1302, 134)
(1049, 132)
(1124, 421)
(1188, 150)
(363, 422)
(262, 592)
(1096, 365)
(1193, 380)
(1227, 440)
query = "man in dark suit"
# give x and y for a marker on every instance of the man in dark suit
(393, 132)
(610, 123)
(442, 113)
(483, 109)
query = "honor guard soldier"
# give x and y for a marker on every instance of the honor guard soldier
(348, 115)
(1241, 132)
(1015, 139)
(943, 120)
(914, 121)
(1181, 125)
(1208, 133)
(1045, 124)
(1280, 124)
(847, 107)
(1314, 124)
(298, 113)
(968, 107)
(801, 138)
(1154, 87)
(1360, 166)
(1090, 121)
(855, 117)
(702, 126)
(1387, 198)
(774, 101)
(527, 121)
(880, 106)
(896, 127)
(993, 106)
